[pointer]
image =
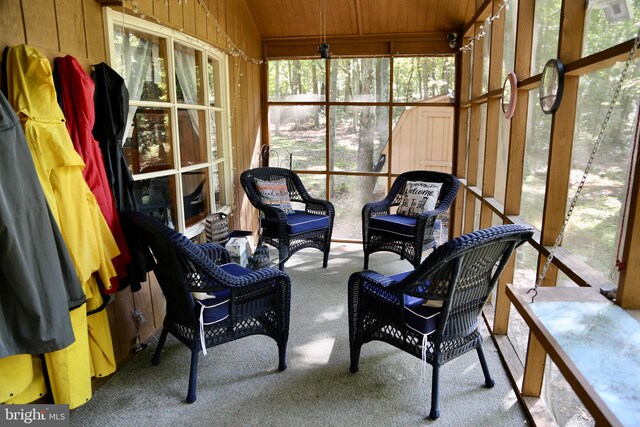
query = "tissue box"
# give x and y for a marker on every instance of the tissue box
(237, 246)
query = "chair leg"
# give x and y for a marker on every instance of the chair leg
(366, 260)
(283, 254)
(488, 381)
(355, 359)
(282, 356)
(325, 258)
(155, 360)
(416, 263)
(193, 377)
(435, 397)
(417, 257)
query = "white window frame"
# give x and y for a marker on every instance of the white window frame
(113, 18)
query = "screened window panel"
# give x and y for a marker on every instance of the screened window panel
(315, 184)
(360, 80)
(594, 229)
(536, 156)
(609, 23)
(504, 127)
(486, 53)
(298, 130)
(424, 79)
(545, 33)
(358, 136)
(348, 195)
(482, 138)
(297, 80)
(509, 45)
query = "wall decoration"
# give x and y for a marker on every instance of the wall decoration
(551, 86)
(509, 95)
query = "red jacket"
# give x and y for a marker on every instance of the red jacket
(75, 91)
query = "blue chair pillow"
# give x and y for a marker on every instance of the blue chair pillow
(275, 193)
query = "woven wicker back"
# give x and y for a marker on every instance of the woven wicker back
(462, 274)
(180, 265)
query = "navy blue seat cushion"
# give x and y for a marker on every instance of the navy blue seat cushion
(397, 224)
(216, 308)
(302, 222)
(419, 317)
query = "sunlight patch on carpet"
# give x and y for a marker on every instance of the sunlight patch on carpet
(316, 352)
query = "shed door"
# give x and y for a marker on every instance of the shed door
(423, 140)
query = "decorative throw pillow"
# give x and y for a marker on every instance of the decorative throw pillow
(419, 197)
(275, 193)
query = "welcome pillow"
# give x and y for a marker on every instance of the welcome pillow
(419, 197)
(275, 193)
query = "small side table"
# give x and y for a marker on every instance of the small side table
(595, 344)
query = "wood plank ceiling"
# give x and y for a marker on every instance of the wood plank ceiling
(277, 19)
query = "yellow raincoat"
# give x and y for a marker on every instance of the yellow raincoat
(23, 388)
(31, 92)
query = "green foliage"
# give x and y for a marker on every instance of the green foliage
(419, 78)
(357, 133)
(296, 77)
(592, 232)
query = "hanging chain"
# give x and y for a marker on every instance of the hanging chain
(596, 146)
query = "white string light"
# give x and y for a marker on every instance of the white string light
(230, 48)
(234, 50)
(467, 47)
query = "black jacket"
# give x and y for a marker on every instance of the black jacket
(112, 105)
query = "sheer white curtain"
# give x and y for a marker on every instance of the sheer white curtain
(186, 78)
(138, 68)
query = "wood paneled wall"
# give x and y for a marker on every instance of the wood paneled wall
(55, 27)
(76, 28)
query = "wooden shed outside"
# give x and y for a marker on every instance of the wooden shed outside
(422, 139)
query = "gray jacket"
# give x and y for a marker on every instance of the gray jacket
(38, 283)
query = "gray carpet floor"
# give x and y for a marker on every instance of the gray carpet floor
(239, 384)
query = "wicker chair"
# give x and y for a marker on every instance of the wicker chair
(310, 228)
(432, 312)
(405, 236)
(210, 304)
